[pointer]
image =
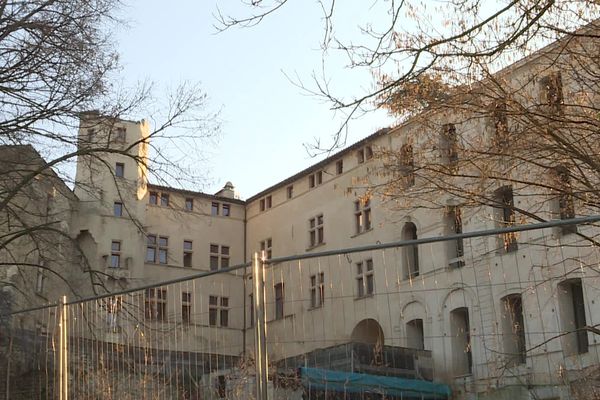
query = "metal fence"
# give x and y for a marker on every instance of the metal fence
(421, 318)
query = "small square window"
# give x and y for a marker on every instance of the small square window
(226, 210)
(120, 170)
(118, 209)
(189, 204)
(119, 135)
(153, 198)
(164, 200)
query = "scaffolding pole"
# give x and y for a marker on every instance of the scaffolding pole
(260, 338)
(63, 363)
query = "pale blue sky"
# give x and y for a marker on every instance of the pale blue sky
(266, 119)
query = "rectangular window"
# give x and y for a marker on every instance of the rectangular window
(499, 115)
(214, 208)
(189, 204)
(120, 170)
(163, 249)
(365, 284)
(461, 341)
(552, 92)
(113, 306)
(455, 247)
(360, 156)
(339, 167)
(187, 253)
(119, 135)
(39, 282)
(407, 164)
(151, 248)
(513, 330)
(186, 307)
(164, 199)
(362, 215)
(290, 192)
(219, 257)
(315, 179)
(368, 152)
(153, 198)
(505, 204)
(261, 204)
(267, 246)
(268, 202)
(316, 233)
(317, 290)
(156, 304)
(218, 311)
(226, 210)
(572, 315)
(118, 209)
(115, 254)
(449, 146)
(279, 301)
(415, 338)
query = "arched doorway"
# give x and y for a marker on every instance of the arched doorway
(368, 331)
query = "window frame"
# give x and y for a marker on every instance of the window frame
(120, 170)
(155, 304)
(317, 290)
(218, 311)
(365, 278)
(115, 254)
(117, 209)
(316, 231)
(189, 204)
(188, 253)
(362, 216)
(279, 296)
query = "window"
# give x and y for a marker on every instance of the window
(364, 278)
(267, 246)
(115, 254)
(317, 290)
(565, 203)
(407, 164)
(415, 339)
(156, 304)
(552, 92)
(572, 317)
(219, 257)
(461, 341)
(226, 209)
(153, 198)
(120, 170)
(251, 309)
(218, 311)
(454, 227)
(157, 249)
(362, 215)
(513, 329)
(214, 208)
(316, 233)
(39, 281)
(449, 146)
(505, 204)
(187, 253)
(366, 153)
(339, 167)
(189, 204)
(186, 307)
(265, 203)
(118, 209)
(410, 252)
(278, 301)
(501, 138)
(113, 306)
(119, 135)
(163, 249)
(164, 200)
(315, 179)
(290, 191)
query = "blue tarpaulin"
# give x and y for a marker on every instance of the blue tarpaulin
(352, 382)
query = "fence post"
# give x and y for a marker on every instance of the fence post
(261, 361)
(63, 373)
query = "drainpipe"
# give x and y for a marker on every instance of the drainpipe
(244, 288)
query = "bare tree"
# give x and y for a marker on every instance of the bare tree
(57, 61)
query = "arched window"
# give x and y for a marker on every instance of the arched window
(410, 252)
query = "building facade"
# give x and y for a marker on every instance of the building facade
(498, 316)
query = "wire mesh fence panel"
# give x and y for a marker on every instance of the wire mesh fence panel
(420, 318)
